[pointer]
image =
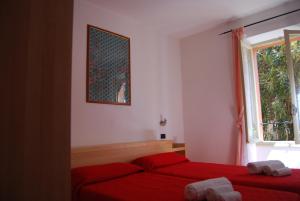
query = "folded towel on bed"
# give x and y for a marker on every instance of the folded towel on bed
(258, 167)
(197, 190)
(282, 172)
(271, 167)
(230, 196)
(213, 193)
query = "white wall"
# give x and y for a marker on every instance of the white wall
(208, 98)
(155, 82)
(171, 88)
(208, 86)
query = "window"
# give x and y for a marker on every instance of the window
(272, 86)
(275, 96)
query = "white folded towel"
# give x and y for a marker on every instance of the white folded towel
(257, 167)
(282, 172)
(272, 166)
(197, 190)
(213, 193)
(230, 196)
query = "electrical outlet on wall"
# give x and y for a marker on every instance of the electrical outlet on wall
(162, 136)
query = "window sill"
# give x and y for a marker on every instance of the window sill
(278, 144)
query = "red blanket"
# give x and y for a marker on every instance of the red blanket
(236, 174)
(156, 187)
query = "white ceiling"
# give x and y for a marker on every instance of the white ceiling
(175, 16)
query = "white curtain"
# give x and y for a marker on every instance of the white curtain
(251, 100)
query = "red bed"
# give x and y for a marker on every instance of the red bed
(176, 165)
(130, 184)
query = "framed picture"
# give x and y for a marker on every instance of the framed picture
(108, 67)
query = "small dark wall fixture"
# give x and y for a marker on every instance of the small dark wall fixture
(108, 67)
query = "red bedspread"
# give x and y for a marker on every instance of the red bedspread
(156, 187)
(236, 174)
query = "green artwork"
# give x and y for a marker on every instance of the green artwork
(108, 67)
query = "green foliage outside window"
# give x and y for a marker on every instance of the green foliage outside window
(275, 91)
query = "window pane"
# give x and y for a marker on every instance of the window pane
(275, 94)
(295, 53)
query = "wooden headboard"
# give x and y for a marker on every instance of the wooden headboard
(121, 152)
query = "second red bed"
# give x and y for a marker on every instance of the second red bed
(177, 165)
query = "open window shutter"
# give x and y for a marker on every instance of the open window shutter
(293, 61)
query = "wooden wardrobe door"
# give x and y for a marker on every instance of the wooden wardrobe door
(36, 48)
